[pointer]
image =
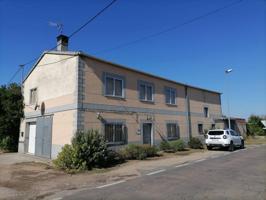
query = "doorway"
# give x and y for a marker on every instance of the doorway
(32, 138)
(147, 133)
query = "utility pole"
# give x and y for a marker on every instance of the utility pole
(22, 77)
(228, 94)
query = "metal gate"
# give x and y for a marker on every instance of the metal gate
(44, 136)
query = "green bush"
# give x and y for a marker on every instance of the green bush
(177, 145)
(87, 150)
(173, 146)
(114, 158)
(6, 143)
(138, 152)
(165, 146)
(68, 160)
(195, 143)
(11, 112)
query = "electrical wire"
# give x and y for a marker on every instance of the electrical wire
(14, 75)
(91, 19)
(169, 29)
(71, 35)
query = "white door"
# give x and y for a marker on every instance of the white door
(32, 138)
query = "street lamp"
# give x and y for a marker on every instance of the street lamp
(228, 106)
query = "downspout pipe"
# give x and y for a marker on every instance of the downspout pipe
(188, 114)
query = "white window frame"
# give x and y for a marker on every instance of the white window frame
(202, 128)
(177, 131)
(123, 133)
(31, 102)
(114, 77)
(146, 84)
(206, 107)
(171, 90)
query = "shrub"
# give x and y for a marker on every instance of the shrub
(114, 158)
(8, 143)
(68, 160)
(165, 146)
(87, 150)
(173, 146)
(195, 143)
(177, 145)
(138, 152)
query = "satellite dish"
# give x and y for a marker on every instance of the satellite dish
(59, 26)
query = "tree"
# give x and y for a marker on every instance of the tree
(255, 126)
(11, 112)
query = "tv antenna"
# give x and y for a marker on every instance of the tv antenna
(59, 26)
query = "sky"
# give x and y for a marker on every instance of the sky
(197, 53)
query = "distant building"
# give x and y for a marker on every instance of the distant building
(264, 124)
(237, 124)
(68, 91)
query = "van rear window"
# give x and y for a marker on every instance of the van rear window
(216, 133)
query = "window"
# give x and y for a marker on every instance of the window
(33, 96)
(216, 132)
(146, 91)
(170, 96)
(114, 133)
(206, 112)
(233, 133)
(114, 86)
(172, 131)
(200, 128)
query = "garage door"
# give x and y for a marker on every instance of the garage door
(32, 138)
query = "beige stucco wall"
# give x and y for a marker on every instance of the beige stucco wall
(133, 124)
(198, 99)
(57, 86)
(94, 87)
(55, 78)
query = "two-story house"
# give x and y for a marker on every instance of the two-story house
(68, 91)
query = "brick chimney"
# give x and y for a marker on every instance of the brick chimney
(62, 43)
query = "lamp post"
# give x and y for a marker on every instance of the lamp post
(228, 71)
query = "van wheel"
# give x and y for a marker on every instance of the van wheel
(209, 148)
(231, 147)
(242, 144)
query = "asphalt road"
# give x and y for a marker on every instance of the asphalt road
(238, 175)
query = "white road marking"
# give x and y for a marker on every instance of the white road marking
(155, 172)
(200, 160)
(58, 198)
(212, 157)
(182, 165)
(110, 184)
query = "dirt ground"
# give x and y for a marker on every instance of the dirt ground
(38, 180)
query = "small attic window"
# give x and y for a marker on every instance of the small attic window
(33, 96)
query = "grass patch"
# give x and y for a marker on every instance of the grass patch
(255, 140)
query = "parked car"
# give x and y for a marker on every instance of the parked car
(224, 138)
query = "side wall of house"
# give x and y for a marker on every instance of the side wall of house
(55, 78)
(199, 99)
(134, 112)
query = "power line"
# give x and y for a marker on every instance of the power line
(71, 35)
(91, 19)
(14, 75)
(169, 29)
(57, 61)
